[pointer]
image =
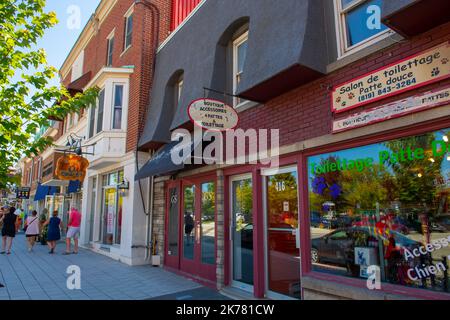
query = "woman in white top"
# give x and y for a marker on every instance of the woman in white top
(32, 230)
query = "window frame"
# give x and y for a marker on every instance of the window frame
(114, 107)
(127, 16)
(110, 51)
(342, 34)
(237, 42)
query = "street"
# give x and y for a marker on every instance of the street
(41, 276)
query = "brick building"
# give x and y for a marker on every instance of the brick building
(359, 91)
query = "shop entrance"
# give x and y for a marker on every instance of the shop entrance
(191, 227)
(282, 233)
(241, 237)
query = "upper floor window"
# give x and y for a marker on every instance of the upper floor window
(109, 59)
(240, 46)
(118, 106)
(359, 24)
(96, 115)
(178, 90)
(128, 30)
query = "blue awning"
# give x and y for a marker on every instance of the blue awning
(74, 186)
(41, 192)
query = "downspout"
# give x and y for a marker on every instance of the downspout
(150, 182)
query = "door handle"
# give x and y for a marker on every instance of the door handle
(197, 232)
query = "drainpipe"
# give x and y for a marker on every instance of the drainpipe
(155, 27)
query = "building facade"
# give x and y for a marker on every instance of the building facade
(359, 91)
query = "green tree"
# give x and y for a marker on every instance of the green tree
(27, 100)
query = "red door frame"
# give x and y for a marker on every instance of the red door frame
(171, 261)
(259, 253)
(193, 268)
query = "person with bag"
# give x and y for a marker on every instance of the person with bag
(31, 229)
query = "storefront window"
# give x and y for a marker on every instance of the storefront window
(208, 223)
(282, 234)
(112, 209)
(189, 218)
(242, 221)
(172, 236)
(384, 206)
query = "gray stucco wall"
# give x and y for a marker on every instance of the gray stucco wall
(282, 34)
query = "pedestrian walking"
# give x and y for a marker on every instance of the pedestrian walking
(73, 231)
(8, 229)
(54, 231)
(31, 229)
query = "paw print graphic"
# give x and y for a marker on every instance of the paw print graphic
(338, 99)
(435, 72)
(351, 96)
(344, 104)
(445, 61)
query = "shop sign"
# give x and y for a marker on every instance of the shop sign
(408, 74)
(71, 167)
(213, 115)
(23, 193)
(393, 110)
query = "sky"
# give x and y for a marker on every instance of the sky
(73, 16)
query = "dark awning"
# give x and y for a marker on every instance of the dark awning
(41, 192)
(161, 164)
(74, 186)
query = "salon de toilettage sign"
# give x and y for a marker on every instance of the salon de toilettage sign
(213, 115)
(419, 102)
(408, 74)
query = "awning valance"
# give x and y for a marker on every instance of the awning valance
(161, 164)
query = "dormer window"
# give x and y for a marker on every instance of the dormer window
(239, 55)
(359, 24)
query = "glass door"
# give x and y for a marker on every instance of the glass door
(282, 233)
(198, 230)
(109, 215)
(241, 234)
(172, 258)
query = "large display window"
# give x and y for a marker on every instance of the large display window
(385, 205)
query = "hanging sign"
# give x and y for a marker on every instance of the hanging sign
(393, 110)
(213, 115)
(417, 71)
(71, 167)
(23, 193)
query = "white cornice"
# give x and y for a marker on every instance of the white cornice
(106, 73)
(86, 35)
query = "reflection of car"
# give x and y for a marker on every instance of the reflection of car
(281, 237)
(337, 247)
(440, 224)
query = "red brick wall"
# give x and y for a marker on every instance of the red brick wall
(305, 112)
(139, 55)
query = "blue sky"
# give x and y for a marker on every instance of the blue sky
(58, 41)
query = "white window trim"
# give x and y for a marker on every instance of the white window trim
(129, 12)
(108, 39)
(236, 43)
(114, 85)
(341, 31)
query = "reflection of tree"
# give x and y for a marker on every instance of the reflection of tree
(189, 202)
(283, 188)
(415, 189)
(243, 203)
(208, 202)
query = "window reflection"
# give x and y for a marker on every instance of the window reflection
(283, 247)
(386, 204)
(189, 222)
(208, 222)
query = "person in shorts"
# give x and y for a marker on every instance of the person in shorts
(32, 229)
(73, 231)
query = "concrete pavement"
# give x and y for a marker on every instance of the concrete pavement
(41, 276)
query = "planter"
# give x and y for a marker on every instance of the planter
(156, 260)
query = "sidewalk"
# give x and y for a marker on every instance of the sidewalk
(41, 276)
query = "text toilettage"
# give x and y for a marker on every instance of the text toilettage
(438, 148)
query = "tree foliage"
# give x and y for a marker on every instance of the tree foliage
(27, 99)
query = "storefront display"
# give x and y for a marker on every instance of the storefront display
(385, 204)
(112, 209)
